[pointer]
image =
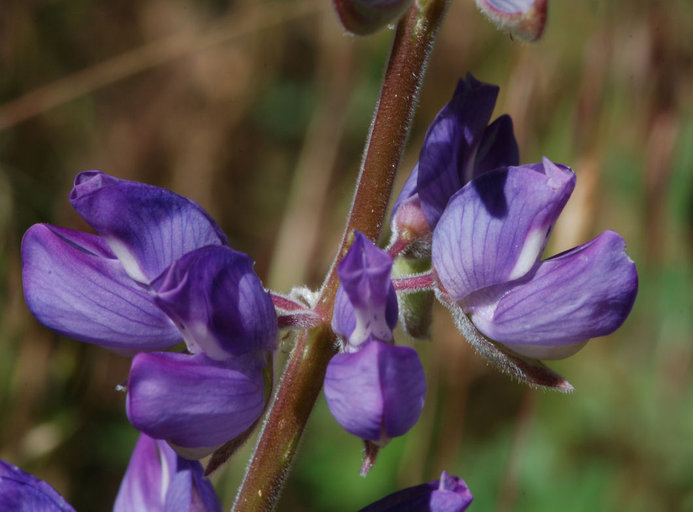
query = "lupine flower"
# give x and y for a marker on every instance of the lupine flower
(374, 389)
(486, 256)
(22, 491)
(449, 494)
(158, 272)
(159, 480)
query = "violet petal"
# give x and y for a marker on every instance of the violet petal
(377, 391)
(74, 285)
(147, 227)
(20, 491)
(447, 157)
(495, 228)
(580, 294)
(498, 147)
(194, 401)
(217, 301)
(159, 480)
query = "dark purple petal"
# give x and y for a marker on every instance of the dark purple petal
(20, 491)
(194, 401)
(496, 227)
(447, 157)
(158, 480)
(217, 301)
(376, 393)
(74, 285)
(366, 303)
(363, 17)
(147, 227)
(583, 293)
(449, 494)
(498, 147)
(522, 18)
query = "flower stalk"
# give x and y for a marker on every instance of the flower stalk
(305, 370)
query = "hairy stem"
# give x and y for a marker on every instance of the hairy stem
(304, 373)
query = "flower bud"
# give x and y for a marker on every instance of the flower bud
(522, 18)
(363, 17)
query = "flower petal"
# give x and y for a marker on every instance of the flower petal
(363, 17)
(147, 227)
(583, 293)
(367, 302)
(215, 298)
(377, 391)
(74, 285)
(498, 147)
(157, 479)
(21, 491)
(496, 227)
(449, 494)
(447, 157)
(193, 401)
(523, 18)
(408, 190)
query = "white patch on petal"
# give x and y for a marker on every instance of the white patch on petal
(534, 244)
(128, 260)
(198, 339)
(193, 453)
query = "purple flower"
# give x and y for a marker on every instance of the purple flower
(375, 389)
(459, 145)
(22, 491)
(449, 494)
(486, 256)
(158, 273)
(158, 480)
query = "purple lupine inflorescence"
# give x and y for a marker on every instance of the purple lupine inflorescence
(158, 272)
(374, 389)
(449, 494)
(22, 491)
(159, 480)
(490, 220)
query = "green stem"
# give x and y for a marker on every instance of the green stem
(302, 380)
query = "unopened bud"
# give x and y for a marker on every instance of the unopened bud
(522, 18)
(415, 308)
(363, 17)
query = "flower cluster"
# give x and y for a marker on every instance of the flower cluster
(158, 272)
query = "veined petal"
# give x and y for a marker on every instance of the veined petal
(496, 227)
(194, 401)
(159, 480)
(523, 18)
(498, 147)
(215, 298)
(580, 294)
(449, 494)
(20, 491)
(365, 280)
(74, 285)
(447, 157)
(147, 227)
(376, 393)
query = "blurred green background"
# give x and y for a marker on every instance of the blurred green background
(258, 111)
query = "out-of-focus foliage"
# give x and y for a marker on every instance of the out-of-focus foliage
(258, 111)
